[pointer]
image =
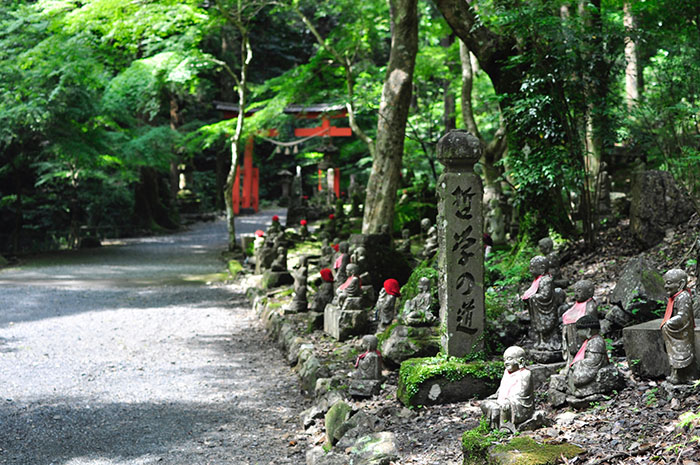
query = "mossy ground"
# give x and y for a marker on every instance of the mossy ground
(416, 371)
(480, 447)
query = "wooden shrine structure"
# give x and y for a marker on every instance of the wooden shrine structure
(248, 196)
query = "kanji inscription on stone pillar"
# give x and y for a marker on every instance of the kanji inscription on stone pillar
(460, 240)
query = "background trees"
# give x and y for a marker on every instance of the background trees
(103, 102)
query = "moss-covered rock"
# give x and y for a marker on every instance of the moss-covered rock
(338, 414)
(441, 379)
(234, 268)
(479, 447)
(526, 451)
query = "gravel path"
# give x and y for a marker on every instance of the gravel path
(123, 355)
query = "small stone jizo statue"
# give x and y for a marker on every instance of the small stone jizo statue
(325, 292)
(386, 304)
(678, 328)
(419, 311)
(542, 306)
(513, 403)
(585, 305)
(368, 365)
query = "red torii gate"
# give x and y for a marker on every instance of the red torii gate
(249, 197)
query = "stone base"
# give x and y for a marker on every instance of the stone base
(406, 342)
(545, 356)
(342, 324)
(542, 372)
(315, 321)
(646, 353)
(272, 279)
(364, 387)
(297, 306)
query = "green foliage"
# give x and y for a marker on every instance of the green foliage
(509, 267)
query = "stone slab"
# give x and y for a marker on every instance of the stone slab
(343, 324)
(644, 346)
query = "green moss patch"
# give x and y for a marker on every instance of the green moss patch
(526, 451)
(417, 372)
(427, 269)
(480, 446)
(234, 268)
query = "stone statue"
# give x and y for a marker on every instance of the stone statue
(303, 230)
(405, 246)
(420, 310)
(385, 233)
(327, 254)
(495, 222)
(546, 246)
(678, 328)
(300, 273)
(542, 306)
(331, 227)
(590, 374)
(325, 292)
(275, 227)
(280, 263)
(368, 365)
(367, 378)
(513, 403)
(592, 357)
(385, 309)
(431, 243)
(342, 259)
(585, 305)
(424, 227)
(349, 294)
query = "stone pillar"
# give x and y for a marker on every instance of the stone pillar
(460, 239)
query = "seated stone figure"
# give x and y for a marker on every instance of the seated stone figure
(585, 305)
(367, 379)
(546, 246)
(542, 306)
(275, 227)
(280, 263)
(513, 403)
(325, 292)
(678, 328)
(386, 304)
(591, 374)
(342, 259)
(404, 247)
(431, 244)
(420, 310)
(299, 302)
(349, 294)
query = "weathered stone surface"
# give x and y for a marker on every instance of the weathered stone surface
(310, 369)
(272, 279)
(657, 203)
(342, 324)
(364, 387)
(431, 381)
(320, 406)
(541, 372)
(338, 414)
(406, 342)
(318, 456)
(375, 449)
(524, 449)
(645, 350)
(360, 424)
(640, 290)
(460, 239)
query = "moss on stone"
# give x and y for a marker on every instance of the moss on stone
(524, 450)
(416, 371)
(427, 269)
(335, 417)
(234, 268)
(476, 443)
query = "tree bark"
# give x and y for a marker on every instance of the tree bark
(393, 113)
(631, 58)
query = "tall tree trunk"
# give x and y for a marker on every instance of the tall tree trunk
(631, 58)
(175, 161)
(449, 101)
(494, 151)
(393, 113)
(242, 84)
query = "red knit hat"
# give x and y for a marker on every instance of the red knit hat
(336, 247)
(275, 218)
(260, 233)
(302, 222)
(391, 286)
(327, 275)
(331, 216)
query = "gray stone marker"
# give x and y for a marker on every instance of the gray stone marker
(460, 240)
(645, 350)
